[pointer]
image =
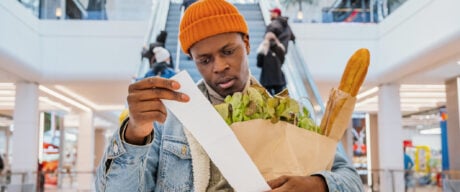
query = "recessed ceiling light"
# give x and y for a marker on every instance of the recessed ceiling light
(458, 62)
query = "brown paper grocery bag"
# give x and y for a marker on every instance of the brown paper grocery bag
(284, 149)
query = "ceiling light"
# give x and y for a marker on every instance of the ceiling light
(64, 98)
(87, 101)
(432, 131)
(7, 85)
(366, 101)
(458, 62)
(10, 104)
(53, 103)
(6, 92)
(412, 87)
(367, 93)
(7, 99)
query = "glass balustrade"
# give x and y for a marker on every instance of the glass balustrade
(90, 9)
(332, 11)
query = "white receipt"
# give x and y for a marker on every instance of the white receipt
(215, 136)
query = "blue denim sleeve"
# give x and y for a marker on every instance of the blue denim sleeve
(343, 176)
(127, 167)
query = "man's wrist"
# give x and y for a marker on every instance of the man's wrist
(321, 182)
(129, 136)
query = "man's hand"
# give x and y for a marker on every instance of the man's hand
(145, 106)
(298, 183)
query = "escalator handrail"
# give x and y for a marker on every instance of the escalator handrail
(300, 64)
(178, 48)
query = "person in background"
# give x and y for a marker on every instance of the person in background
(270, 57)
(2, 163)
(280, 27)
(160, 42)
(408, 165)
(161, 66)
(152, 151)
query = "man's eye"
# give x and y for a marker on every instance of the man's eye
(204, 61)
(228, 52)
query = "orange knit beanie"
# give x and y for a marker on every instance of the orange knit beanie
(206, 18)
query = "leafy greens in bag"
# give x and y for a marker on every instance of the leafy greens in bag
(257, 103)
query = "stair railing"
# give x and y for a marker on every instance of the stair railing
(178, 47)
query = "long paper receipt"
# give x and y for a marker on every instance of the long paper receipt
(216, 137)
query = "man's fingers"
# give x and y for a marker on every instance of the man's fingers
(154, 82)
(157, 115)
(146, 106)
(275, 183)
(155, 94)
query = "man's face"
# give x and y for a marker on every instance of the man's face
(222, 61)
(273, 15)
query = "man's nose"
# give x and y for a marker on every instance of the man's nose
(220, 65)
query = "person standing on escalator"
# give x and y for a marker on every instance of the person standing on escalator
(280, 27)
(270, 58)
(159, 42)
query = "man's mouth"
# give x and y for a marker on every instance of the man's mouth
(226, 83)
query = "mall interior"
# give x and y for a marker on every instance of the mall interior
(65, 68)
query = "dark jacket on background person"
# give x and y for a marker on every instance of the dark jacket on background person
(282, 30)
(270, 58)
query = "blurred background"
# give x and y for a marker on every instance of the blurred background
(65, 66)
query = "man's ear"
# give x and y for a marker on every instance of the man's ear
(246, 41)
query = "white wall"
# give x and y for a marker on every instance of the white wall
(64, 50)
(19, 38)
(110, 49)
(326, 48)
(414, 37)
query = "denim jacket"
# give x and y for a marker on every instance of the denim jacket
(174, 161)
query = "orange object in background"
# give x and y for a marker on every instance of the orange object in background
(51, 164)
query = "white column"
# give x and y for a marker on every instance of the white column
(390, 145)
(99, 144)
(85, 152)
(453, 122)
(25, 134)
(373, 164)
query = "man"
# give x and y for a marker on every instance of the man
(280, 27)
(165, 156)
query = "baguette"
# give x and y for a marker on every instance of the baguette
(352, 79)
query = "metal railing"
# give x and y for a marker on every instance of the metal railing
(34, 181)
(447, 181)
